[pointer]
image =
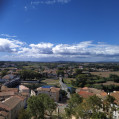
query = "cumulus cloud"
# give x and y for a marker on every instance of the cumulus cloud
(76, 49)
(7, 45)
(36, 49)
(83, 51)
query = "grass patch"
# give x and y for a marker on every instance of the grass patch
(68, 80)
(54, 82)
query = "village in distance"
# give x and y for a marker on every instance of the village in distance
(59, 90)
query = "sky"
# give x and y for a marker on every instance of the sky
(59, 30)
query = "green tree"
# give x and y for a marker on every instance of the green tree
(94, 103)
(85, 108)
(35, 107)
(60, 72)
(109, 106)
(29, 75)
(98, 115)
(23, 114)
(88, 108)
(63, 93)
(3, 73)
(114, 77)
(80, 80)
(74, 101)
(77, 72)
(48, 103)
(40, 106)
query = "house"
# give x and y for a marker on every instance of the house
(52, 92)
(5, 89)
(86, 92)
(5, 95)
(9, 108)
(23, 89)
(8, 77)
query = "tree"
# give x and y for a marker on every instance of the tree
(77, 72)
(35, 107)
(109, 106)
(29, 74)
(3, 73)
(99, 115)
(89, 108)
(23, 114)
(41, 105)
(114, 77)
(60, 72)
(74, 101)
(80, 80)
(63, 93)
(85, 108)
(94, 103)
(48, 103)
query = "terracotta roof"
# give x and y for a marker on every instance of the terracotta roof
(85, 88)
(116, 96)
(21, 87)
(53, 89)
(103, 94)
(9, 93)
(4, 106)
(3, 113)
(99, 93)
(9, 89)
(85, 94)
(43, 89)
(12, 101)
(20, 97)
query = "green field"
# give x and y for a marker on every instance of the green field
(67, 81)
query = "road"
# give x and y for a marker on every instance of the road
(64, 86)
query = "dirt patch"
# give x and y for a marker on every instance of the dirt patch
(104, 74)
(111, 83)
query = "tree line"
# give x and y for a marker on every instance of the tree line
(90, 108)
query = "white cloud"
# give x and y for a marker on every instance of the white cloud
(83, 51)
(49, 2)
(8, 36)
(7, 45)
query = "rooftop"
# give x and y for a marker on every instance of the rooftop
(8, 93)
(3, 113)
(23, 87)
(85, 94)
(12, 101)
(5, 107)
(43, 89)
(51, 89)
(115, 94)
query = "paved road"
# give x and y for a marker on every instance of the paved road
(64, 86)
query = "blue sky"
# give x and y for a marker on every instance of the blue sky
(53, 30)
